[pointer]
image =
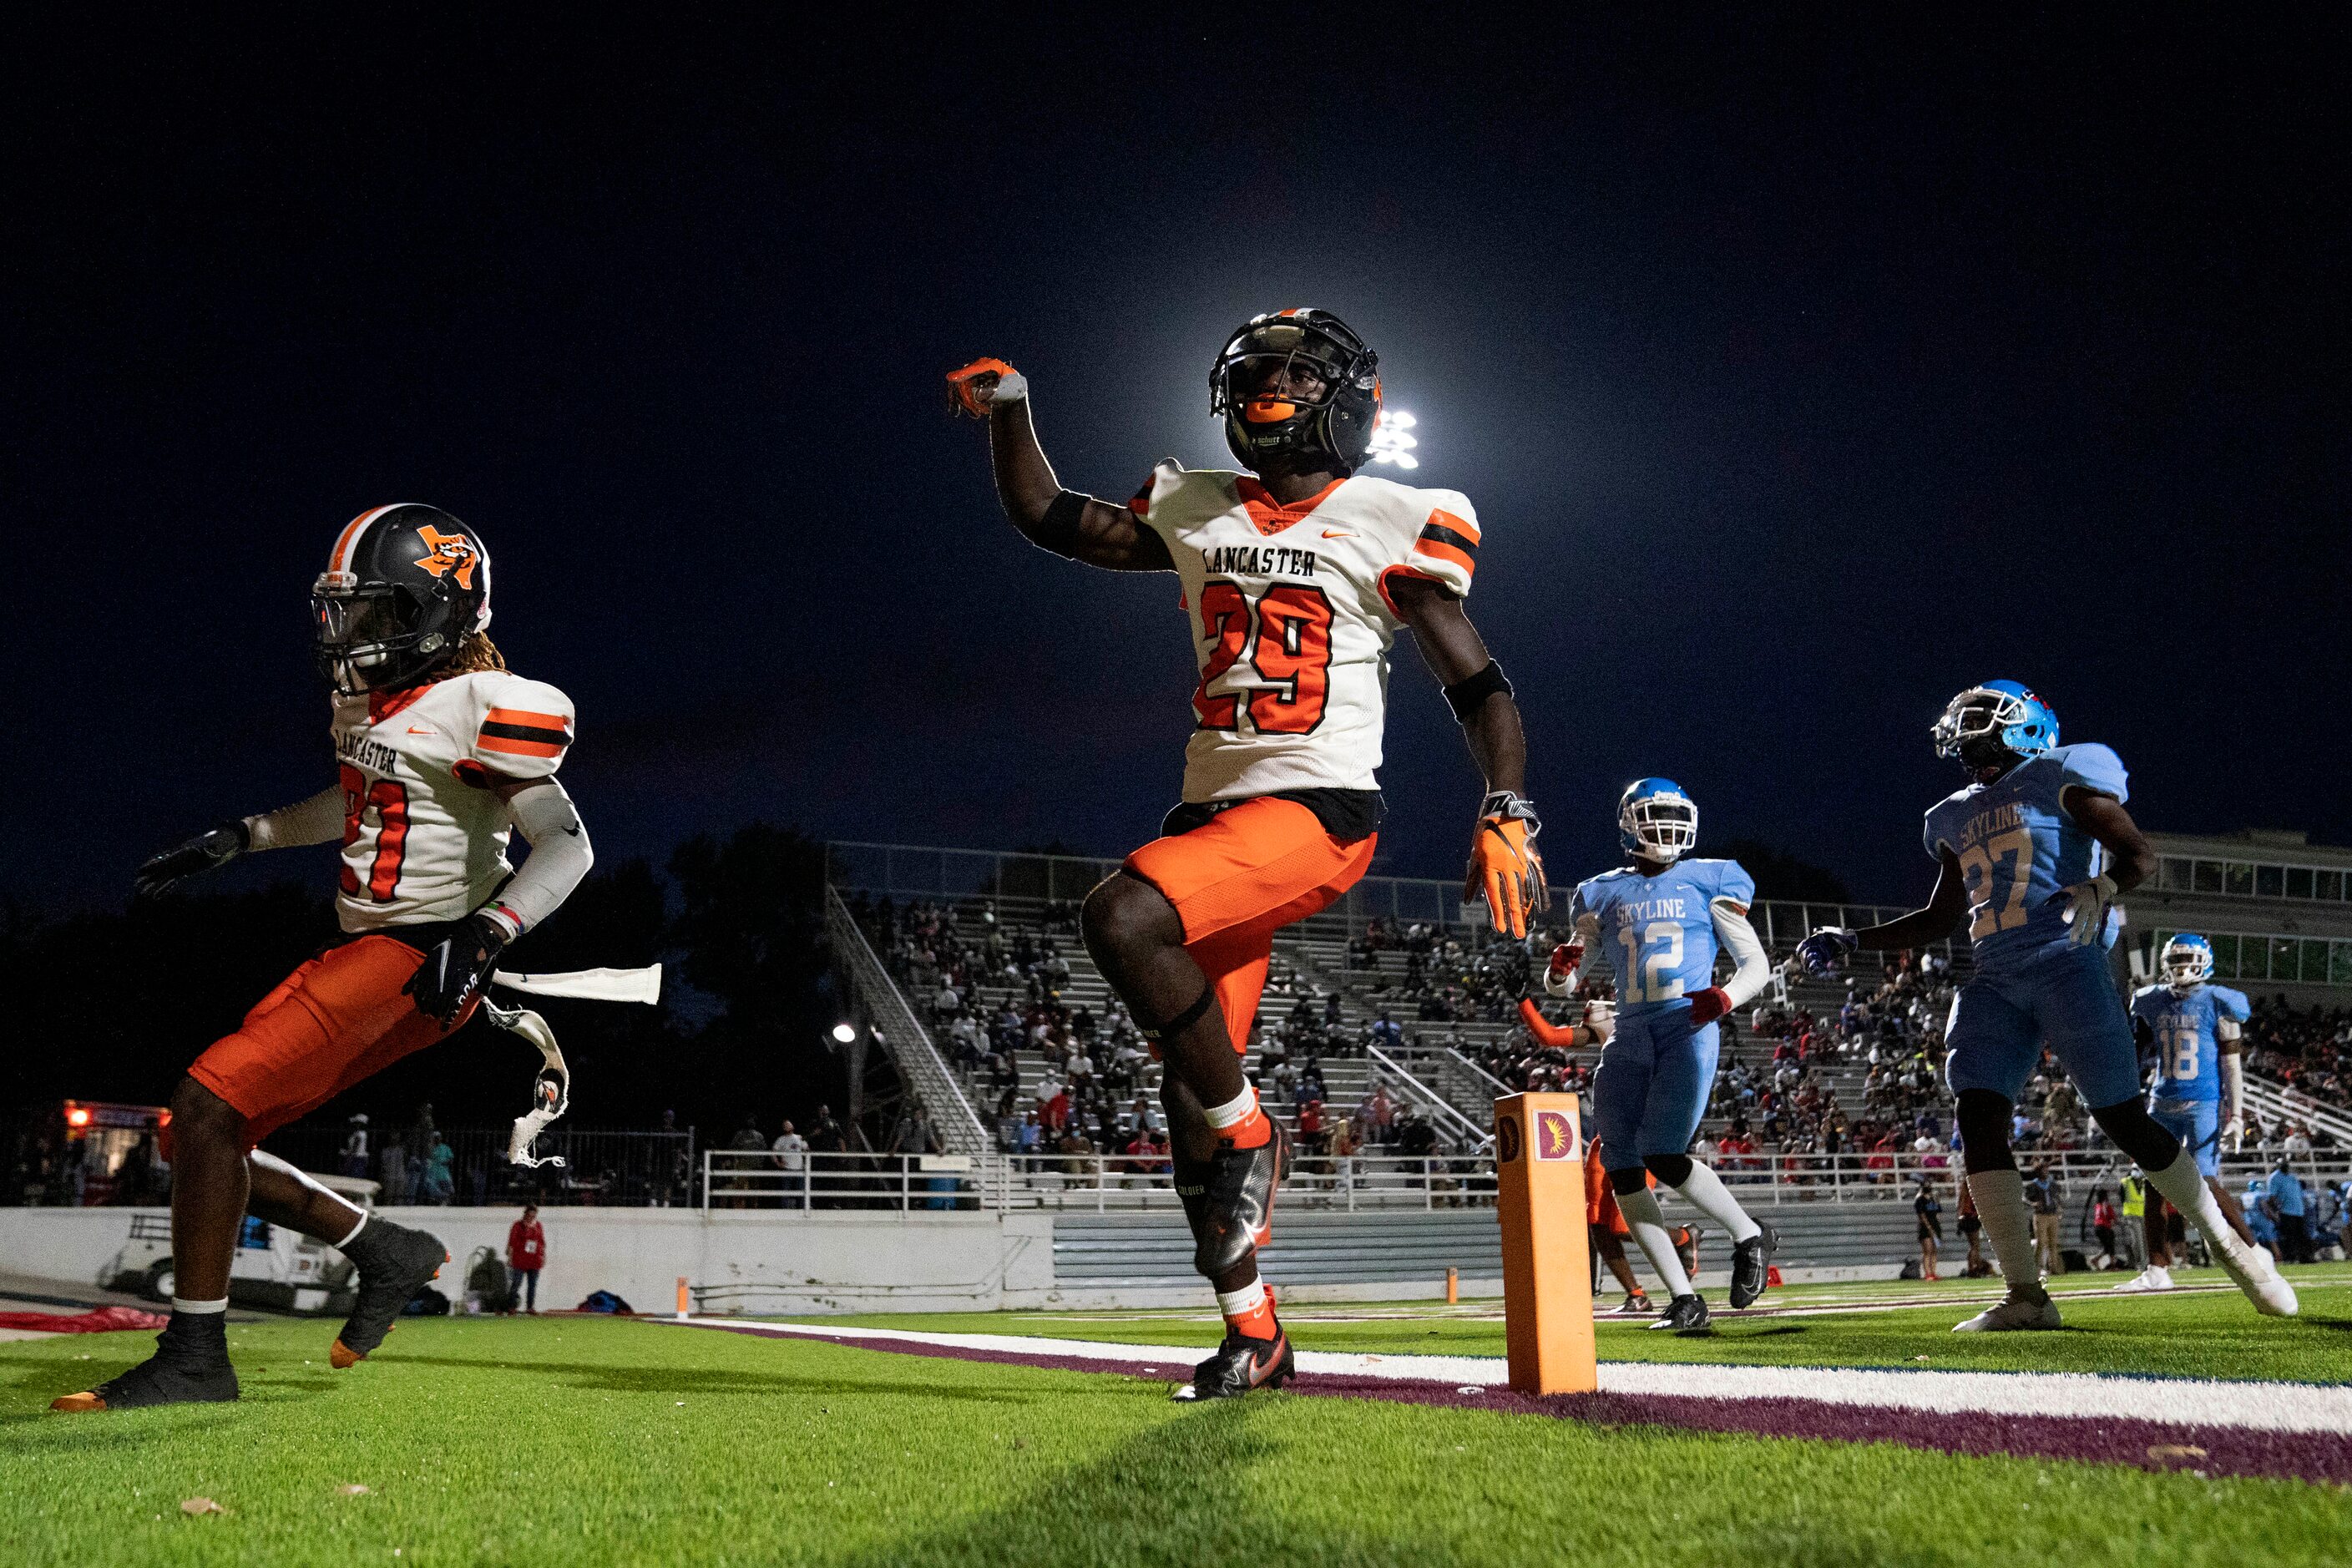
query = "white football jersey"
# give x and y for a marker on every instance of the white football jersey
(1292, 619)
(424, 839)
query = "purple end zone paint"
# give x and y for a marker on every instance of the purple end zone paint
(2322, 1456)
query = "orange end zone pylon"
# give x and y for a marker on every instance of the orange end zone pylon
(1547, 1272)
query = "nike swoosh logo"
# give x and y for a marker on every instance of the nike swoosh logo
(1261, 1367)
(1337, 534)
(422, 729)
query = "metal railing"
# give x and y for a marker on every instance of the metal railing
(1450, 1118)
(602, 1167)
(1103, 1183)
(920, 1066)
(748, 1178)
(1467, 1086)
(917, 871)
(2271, 1101)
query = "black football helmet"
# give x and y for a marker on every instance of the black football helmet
(403, 586)
(1299, 384)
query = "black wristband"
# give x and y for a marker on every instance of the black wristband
(1471, 691)
(1057, 531)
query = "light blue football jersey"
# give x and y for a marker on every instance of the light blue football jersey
(2187, 1047)
(1657, 931)
(2018, 846)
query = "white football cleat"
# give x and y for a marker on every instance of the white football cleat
(2155, 1276)
(2253, 1272)
(2014, 1310)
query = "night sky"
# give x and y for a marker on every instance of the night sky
(1801, 375)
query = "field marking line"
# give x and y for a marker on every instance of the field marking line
(2254, 1406)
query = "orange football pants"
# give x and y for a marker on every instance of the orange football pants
(338, 1019)
(1239, 877)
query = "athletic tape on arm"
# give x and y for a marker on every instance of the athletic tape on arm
(560, 853)
(318, 820)
(1739, 939)
(592, 984)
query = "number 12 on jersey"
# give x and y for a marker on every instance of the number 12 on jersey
(1653, 961)
(1285, 638)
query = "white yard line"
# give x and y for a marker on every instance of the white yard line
(2264, 1407)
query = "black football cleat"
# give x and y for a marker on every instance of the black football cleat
(394, 1263)
(1684, 1315)
(1751, 1266)
(1234, 1212)
(190, 1366)
(1241, 1364)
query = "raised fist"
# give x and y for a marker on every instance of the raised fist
(983, 383)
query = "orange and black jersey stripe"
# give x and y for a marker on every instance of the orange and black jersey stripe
(521, 733)
(1450, 538)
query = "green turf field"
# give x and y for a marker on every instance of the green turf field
(580, 1442)
(2191, 1334)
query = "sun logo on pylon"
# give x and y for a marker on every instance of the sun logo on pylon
(1555, 1135)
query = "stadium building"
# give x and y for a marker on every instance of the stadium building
(2277, 906)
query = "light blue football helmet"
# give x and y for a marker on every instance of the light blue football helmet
(2001, 709)
(1656, 820)
(2187, 962)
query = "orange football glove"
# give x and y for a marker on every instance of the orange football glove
(968, 388)
(1504, 868)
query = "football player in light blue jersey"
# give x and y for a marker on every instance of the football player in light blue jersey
(2033, 854)
(1661, 921)
(2198, 1095)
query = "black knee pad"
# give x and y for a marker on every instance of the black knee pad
(1628, 1182)
(2128, 1123)
(1983, 1118)
(1672, 1169)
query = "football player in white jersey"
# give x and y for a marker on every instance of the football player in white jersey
(442, 754)
(1297, 576)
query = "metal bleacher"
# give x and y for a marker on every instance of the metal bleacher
(1434, 1071)
(1150, 1251)
(1314, 960)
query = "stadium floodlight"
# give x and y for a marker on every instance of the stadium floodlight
(1392, 441)
(844, 1033)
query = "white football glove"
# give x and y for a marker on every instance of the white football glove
(1600, 1018)
(2086, 919)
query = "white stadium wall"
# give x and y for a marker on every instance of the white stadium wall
(772, 1263)
(799, 1263)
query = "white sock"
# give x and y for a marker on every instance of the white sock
(1648, 1223)
(2008, 1224)
(1242, 1302)
(2183, 1184)
(199, 1309)
(1705, 1191)
(1233, 1113)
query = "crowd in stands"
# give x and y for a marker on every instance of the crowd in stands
(1054, 1077)
(1447, 979)
(2307, 1048)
